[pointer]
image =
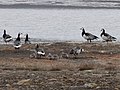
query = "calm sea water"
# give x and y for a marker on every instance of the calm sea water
(59, 24)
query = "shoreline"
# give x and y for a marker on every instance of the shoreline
(38, 40)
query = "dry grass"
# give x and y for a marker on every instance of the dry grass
(35, 65)
(43, 65)
(85, 61)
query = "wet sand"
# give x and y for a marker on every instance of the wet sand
(97, 68)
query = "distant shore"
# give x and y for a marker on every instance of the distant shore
(50, 6)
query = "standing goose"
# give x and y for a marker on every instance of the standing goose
(39, 51)
(27, 41)
(17, 42)
(106, 36)
(7, 37)
(88, 36)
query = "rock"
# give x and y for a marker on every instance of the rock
(53, 79)
(24, 82)
(116, 89)
(50, 83)
(103, 51)
(80, 80)
(98, 87)
(7, 85)
(32, 74)
(118, 86)
(71, 80)
(64, 77)
(90, 85)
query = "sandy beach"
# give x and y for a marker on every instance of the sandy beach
(96, 68)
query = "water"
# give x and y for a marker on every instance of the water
(59, 24)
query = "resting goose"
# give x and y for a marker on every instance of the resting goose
(27, 41)
(7, 37)
(106, 36)
(88, 36)
(52, 56)
(17, 42)
(76, 51)
(64, 55)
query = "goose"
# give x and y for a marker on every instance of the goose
(64, 55)
(55, 57)
(88, 36)
(27, 41)
(106, 36)
(76, 51)
(17, 42)
(52, 56)
(39, 51)
(7, 37)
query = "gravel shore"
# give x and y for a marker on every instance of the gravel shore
(96, 68)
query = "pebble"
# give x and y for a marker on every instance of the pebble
(90, 85)
(22, 82)
(118, 86)
(7, 85)
(53, 79)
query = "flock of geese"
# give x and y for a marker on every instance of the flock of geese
(38, 52)
(105, 36)
(17, 43)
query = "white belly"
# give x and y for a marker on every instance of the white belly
(86, 37)
(104, 37)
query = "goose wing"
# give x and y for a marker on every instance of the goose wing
(109, 37)
(91, 36)
(8, 36)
